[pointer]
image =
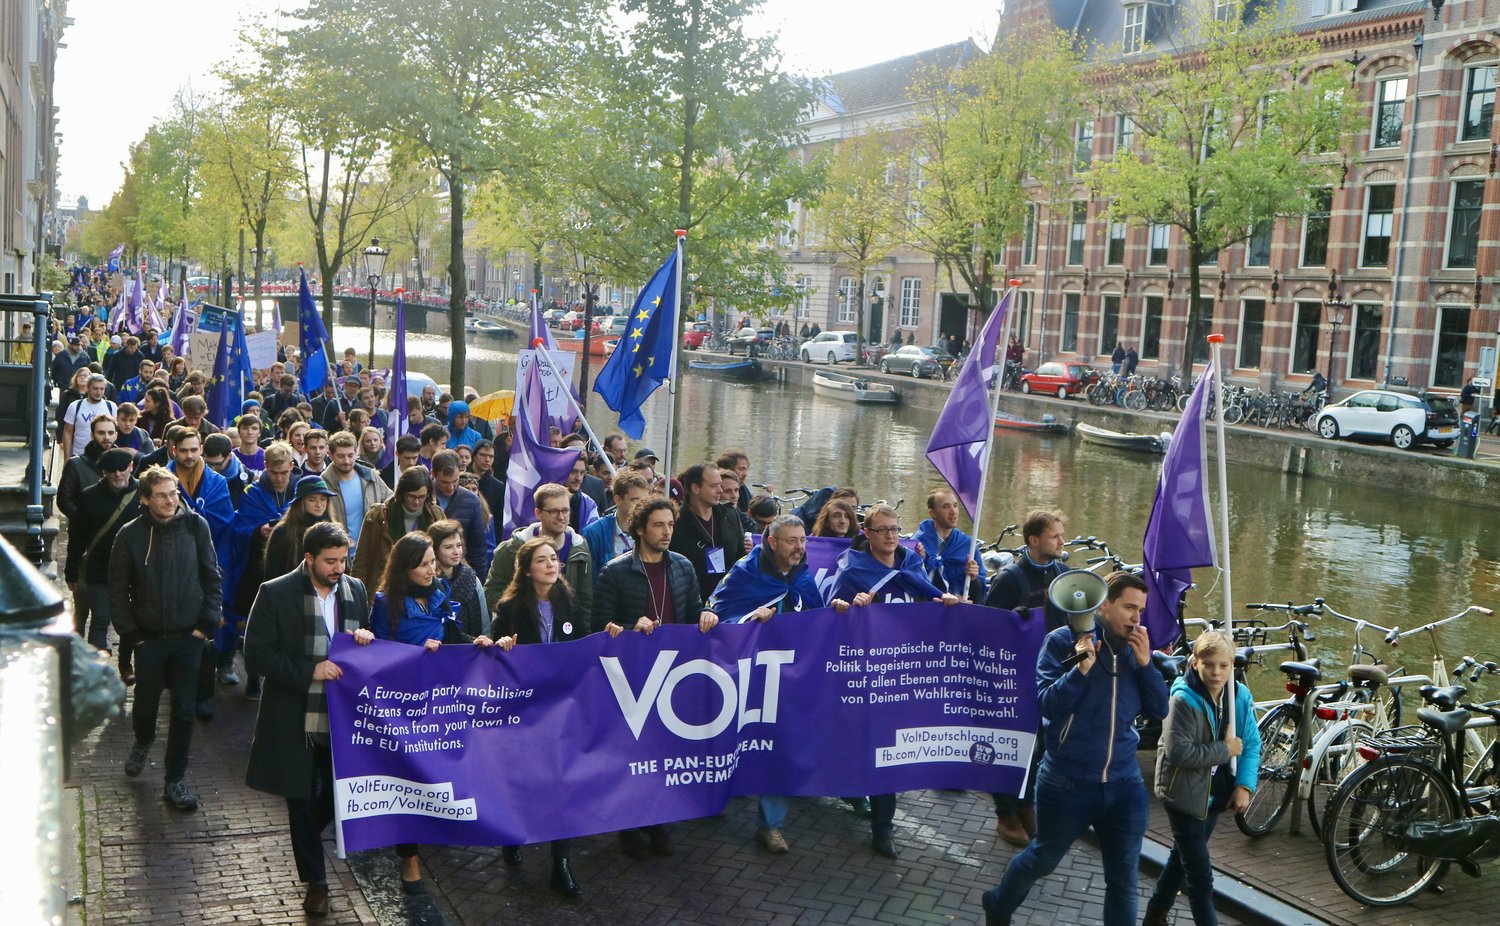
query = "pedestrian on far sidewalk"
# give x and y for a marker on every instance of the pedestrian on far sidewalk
(164, 595)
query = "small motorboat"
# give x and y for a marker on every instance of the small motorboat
(485, 326)
(1150, 443)
(1048, 425)
(853, 388)
(744, 370)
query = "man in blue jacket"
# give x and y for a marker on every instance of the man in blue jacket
(1089, 691)
(948, 552)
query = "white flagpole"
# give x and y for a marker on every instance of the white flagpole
(672, 383)
(1215, 341)
(989, 432)
(546, 355)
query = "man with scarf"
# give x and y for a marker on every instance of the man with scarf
(261, 507)
(773, 578)
(949, 556)
(887, 573)
(293, 621)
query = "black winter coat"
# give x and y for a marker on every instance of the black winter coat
(622, 595)
(78, 474)
(521, 620)
(96, 504)
(164, 581)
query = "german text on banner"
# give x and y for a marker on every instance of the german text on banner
(465, 746)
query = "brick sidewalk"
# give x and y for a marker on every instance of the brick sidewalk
(231, 861)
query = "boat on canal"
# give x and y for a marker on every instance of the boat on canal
(1149, 443)
(854, 389)
(1048, 424)
(744, 370)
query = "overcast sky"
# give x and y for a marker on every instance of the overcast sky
(120, 69)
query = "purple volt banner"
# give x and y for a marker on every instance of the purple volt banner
(469, 746)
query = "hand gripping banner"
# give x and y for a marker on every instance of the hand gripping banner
(469, 746)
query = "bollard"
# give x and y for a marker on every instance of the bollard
(1468, 436)
(52, 684)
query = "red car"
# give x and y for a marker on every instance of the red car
(697, 334)
(1060, 379)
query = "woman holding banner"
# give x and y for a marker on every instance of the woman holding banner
(539, 607)
(413, 608)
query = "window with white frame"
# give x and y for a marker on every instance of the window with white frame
(804, 296)
(1227, 10)
(1124, 133)
(917, 182)
(1077, 232)
(1390, 110)
(1109, 322)
(911, 301)
(1478, 112)
(1083, 140)
(1463, 223)
(1380, 206)
(788, 235)
(1135, 28)
(1258, 245)
(1028, 234)
(1022, 328)
(1115, 253)
(1252, 328)
(1161, 239)
(848, 299)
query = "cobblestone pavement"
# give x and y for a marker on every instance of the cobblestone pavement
(231, 861)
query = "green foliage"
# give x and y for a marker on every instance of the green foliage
(1230, 132)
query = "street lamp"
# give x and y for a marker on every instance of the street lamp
(416, 272)
(589, 280)
(515, 280)
(1337, 310)
(375, 256)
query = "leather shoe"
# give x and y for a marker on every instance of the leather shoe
(661, 843)
(562, 879)
(992, 916)
(884, 845)
(413, 887)
(316, 901)
(1011, 830)
(634, 844)
(511, 855)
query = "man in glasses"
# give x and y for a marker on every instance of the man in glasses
(886, 573)
(552, 513)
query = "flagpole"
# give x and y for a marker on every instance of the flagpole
(1215, 340)
(588, 429)
(676, 340)
(989, 432)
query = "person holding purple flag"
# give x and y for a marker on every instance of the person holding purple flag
(533, 461)
(1090, 689)
(888, 572)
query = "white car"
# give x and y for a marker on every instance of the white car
(831, 347)
(1404, 419)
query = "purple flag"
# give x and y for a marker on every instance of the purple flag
(539, 328)
(964, 425)
(182, 327)
(627, 732)
(1179, 537)
(395, 418)
(137, 294)
(533, 459)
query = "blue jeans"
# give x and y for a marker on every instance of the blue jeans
(1188, 863)
(772, 811)
(1065, 807)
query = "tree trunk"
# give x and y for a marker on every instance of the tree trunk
(456, 273)
(1194, 276)
(260, 260)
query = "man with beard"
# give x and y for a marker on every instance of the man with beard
(769, 580)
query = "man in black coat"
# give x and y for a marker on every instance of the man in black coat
(707, 533)
(102, 509)
(287, 639)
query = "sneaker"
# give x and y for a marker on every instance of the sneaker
(204, 710)
(253, 687)
(177, 794)
(137, 759)
(772, 841)
(227, 676)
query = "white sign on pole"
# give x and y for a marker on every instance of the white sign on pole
(203, 345)
(262, 347)
(557, 395)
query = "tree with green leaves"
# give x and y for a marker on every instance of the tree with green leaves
(987, 141)
(1232, 130)
(861, 215)
(165, 163)
(453, 84)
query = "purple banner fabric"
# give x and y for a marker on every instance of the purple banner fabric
(1179, 537)
(464, 746)
(533, 459)
(958, 438)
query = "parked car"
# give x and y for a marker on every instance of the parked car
(612, 326)
(1405, 419)
(831, 346)
(913, 360)
(698, 334)
(1060, 379)
(572, 321)
(554, 317)
(745, 337)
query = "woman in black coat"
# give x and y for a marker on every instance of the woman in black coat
(538, 607)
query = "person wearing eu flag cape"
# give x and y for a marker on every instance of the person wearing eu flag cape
(887, 573)
(771, 579)
(947, 550)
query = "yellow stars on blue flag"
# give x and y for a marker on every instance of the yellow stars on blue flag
(630, 376)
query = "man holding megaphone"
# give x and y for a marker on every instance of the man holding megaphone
(1093, 678)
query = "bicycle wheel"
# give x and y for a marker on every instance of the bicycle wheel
(1337, 762)
(1364, 838)
(1233, 413)
(1279, 762)
(1135, 399)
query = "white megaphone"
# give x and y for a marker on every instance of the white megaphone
(1078, 594)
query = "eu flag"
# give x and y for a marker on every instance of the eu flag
(646, 355)
(314, 369)
(226, 393)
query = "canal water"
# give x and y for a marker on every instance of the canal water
(1393, 559)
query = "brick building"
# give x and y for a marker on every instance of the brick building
(1408, 239)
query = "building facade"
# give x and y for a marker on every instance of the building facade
(1390, 282)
